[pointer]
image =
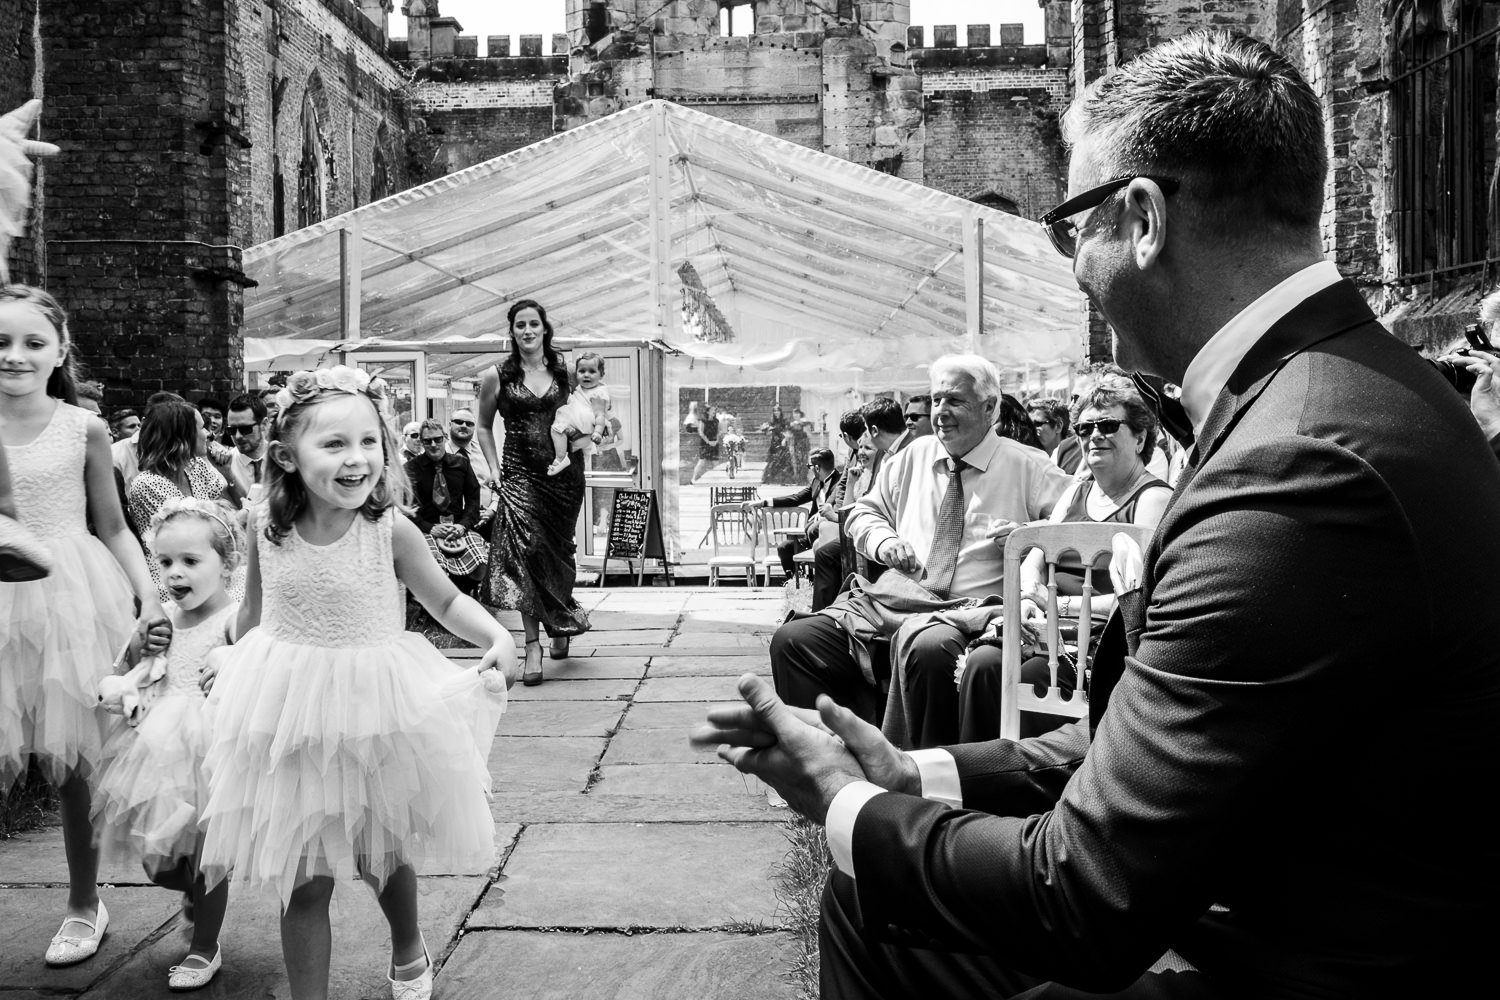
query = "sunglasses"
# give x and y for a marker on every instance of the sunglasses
(432, 440)
(462, 423)
(1106, 427)
(912, 418)
(240, 429)
(1059, 224)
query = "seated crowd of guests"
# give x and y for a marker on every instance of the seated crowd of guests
(877, 640)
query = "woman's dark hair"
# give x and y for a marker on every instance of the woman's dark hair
(286, 496)
(1015, 423)
(169, 438)
(510, 368)
(63, 382)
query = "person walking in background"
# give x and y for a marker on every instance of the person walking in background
(779, 461)
(800, 428)
(708, 443)
(532, 566)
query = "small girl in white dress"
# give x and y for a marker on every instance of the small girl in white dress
(153, 788)
(342, 745)
(583, 421)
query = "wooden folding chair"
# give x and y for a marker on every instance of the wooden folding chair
(735, 539)
(777, 524)
(1086, 540)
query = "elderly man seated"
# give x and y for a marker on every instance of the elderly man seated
(935, 515)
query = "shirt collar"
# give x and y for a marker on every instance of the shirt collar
(1217, 359)
(977, 457)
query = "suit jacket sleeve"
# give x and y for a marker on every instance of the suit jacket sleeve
(796, 499)
(1221, 711)
(421, 490)
(471, 493)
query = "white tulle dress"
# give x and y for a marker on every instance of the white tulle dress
(341, 743)
(152, 788)
(58, 635)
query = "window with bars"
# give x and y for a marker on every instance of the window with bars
(1443, 134)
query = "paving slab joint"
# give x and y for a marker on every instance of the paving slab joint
(495, 877)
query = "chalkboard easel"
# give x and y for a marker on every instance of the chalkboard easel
(635, 533)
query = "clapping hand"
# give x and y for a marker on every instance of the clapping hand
(806, 756)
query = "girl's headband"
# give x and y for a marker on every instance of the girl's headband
(193, 505)
(303, 386)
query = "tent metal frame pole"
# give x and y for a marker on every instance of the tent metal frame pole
(974, 277)
(661, 220)
(351, 278)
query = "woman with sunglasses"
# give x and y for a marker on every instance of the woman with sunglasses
(1118, 431)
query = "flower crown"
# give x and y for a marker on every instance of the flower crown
(193, 505)
(303, 386)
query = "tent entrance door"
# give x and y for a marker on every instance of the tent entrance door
(405, 374)
(630, 455)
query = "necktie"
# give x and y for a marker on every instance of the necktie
(440, 495)
(947, 534)
(255, 468)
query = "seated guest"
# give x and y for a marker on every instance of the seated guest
(817, 494)
(932, 516)
(411, 440)
(1118, 431)
(1049, 416)
(828, 548)
(886, 425)
(1015, 423)
(446, 492)
(918, 414)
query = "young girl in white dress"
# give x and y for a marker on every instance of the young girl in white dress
(152, 788)
(343, 745)
(59, 635)
(583, 421)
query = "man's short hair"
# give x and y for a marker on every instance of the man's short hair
(1227, 116)
(210, 403)
(162, 397)
(432, 424)
(1053, 410)
(922, 398)
(981, 373)
(124, 413)
(852, 424)
(822, 458)
(248, 401)
(883, 414)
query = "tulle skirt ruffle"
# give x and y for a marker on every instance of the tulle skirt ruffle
(58, 637)
(347, 761)
(151, 788)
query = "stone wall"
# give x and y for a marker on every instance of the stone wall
(142, 248)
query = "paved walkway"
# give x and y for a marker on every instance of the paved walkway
(630, 866)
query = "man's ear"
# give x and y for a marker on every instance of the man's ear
(1145, 221)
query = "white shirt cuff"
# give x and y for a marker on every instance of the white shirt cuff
(839, 825)
(940, 781)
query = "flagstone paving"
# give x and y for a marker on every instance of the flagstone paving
(628, 864)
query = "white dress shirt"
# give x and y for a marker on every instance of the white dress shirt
(1206, 377)
(1217, 359)
(1007, 481)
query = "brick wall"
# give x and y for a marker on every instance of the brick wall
(1002, 138)
(326, 50)
(17, 85)
(141, 243)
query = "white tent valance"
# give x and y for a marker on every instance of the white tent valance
(665, 223)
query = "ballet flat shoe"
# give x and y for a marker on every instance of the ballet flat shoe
(182, 978)
(413, 989)
(70, 949)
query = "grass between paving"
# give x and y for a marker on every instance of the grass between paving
(28, 805)
(798, 884)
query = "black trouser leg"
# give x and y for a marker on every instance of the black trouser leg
(931, 695)
(809, 657)
(828, 574)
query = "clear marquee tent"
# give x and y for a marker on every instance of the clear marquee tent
(667, 224)
(751, 259)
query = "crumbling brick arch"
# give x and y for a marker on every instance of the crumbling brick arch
(315, 162)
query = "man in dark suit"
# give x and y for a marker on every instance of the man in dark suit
(822, 479)
(1263, 785)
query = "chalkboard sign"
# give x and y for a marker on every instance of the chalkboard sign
(635, 533)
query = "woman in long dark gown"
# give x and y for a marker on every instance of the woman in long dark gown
(780, 467)
(531, 546)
